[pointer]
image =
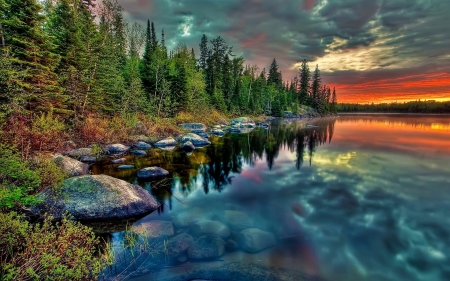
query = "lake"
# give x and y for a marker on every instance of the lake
(359, 197)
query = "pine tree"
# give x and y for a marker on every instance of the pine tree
(203, 52)
(153, 41)
(315, 88)
(305, 78)
(275, 76)
(146, 62)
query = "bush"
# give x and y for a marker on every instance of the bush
(49, 172)
(63, 251)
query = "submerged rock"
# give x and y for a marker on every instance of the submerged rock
(206, 247)
(254, 240)
(166, 142)
(210, 228)
(138, 152)
(237, 220)
(188, 217)
(188, 146)
(71, 166)
(117, 148)
(125, 167)
(195, 139)
(119, 160)
(97, 197)
(178, 245)
(152, 172)
(154, 229)
(142, 145)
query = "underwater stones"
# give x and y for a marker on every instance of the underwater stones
(88, 159)
(187, 146)
(154, 229)
(206, 247)
(188, 217)
(211, 228)
(231, 246)
(177, 245)
(254, 240)
(152, 172)
(195, 139)
(71, 166)
(166, 142)
(138, 152)
(125, 167)
(117, 148)
(142, 145)
(97, 197)
(237, 220)
(119, 160)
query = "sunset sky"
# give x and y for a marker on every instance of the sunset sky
(370, 50)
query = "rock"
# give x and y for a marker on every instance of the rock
(206, 247)
(177, 245)
(231, 246)
(142, 138)
(223, 122)
(244, 122)
(210, 228)
(262, 125)
(182, 258)
(117, 148)
(203, 135)
(124, 167)
(88, 159)
(167, 148)
(217, 127)
(237, 220)
(196, 140)
(154, 229)
(117, 161)
(138, 152)
(240, 130)
(142, 145)
(187, 146)
(254, 240)
(166, 142)
(152, 172)
(197, 127)
(97, 197)
(188, 217)
(76, 153)
(71, 166)
(217, 132)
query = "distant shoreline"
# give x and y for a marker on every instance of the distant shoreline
(392, 113)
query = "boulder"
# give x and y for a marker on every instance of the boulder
(154, 229)
(177, 245)
(142, 138)
(117, 148)
(188, 217)
(142, 145)
(243, 122)
(203, 135)
(223, 122)
(151, 172)
(88, 159)
(217, 127)
(193, 127)
(254, 240)
(119, 160)
(125, 167)
(231, 246)
(237, 220)
(97, 197)
(206, 247)
(71, 166)
(217, 132)
(76, 153)
(196, 140)
(138, 152)
(187, 146)
(166, 142)
(210, 228)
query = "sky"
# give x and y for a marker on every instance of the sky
(370, 50)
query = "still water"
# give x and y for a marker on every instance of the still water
(359, 197)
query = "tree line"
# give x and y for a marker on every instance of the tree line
(73, 57)
(417, 106)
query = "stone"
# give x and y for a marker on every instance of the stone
(93, 197)
(138, 152)
(206, 247)
(119, 160)
(117, 148)
(237, 220)
(78, 152)
(187, 146)
(166, 142)
(71, 166)
(223, 122)
(142, 145)
(178, 245)
(142, 138)
(198, 127)
(125, 167)
(154, 229)
(231, 246)
(88, 159)
(203, 135)
(182, 258)
(188, 217)
(217, 127)
(254, 240)
(195, 139)
(217, 132)
(243, 122)
(152, 172)
(210, 228)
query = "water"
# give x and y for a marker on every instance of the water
(360, 197)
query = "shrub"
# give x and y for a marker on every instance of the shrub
(49, 172)
(46, 251)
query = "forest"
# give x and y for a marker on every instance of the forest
(417, 106)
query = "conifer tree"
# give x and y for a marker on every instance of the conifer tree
(315, 88)
(305, 78)
(275, 76)
(203, 52)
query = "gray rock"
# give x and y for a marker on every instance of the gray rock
(217, 132)
(231, 246)
(138, 152)
(188, 146)
(76, 153)
(193, 126)
(117, 148)
(254, 240)
(117, 161)
(206, 247)
(195, 139)
(71, 166)
(142, 138)
(154, 229)
(142, 145)
(178, 245)
(203, 135)
(167, 148)
(182, 258)
(166, 142)
(88, 159)
(243, 122)
(237, 220)
(188, 217)
(152, 172)
(210, 228)
(97, 197)
(198, 131)
(125, 167)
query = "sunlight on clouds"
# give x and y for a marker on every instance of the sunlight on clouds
(186, 26)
